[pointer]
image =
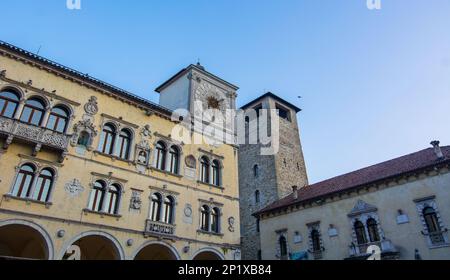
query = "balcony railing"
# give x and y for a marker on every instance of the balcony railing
(159, 228)
(38, 135)
(360, 250)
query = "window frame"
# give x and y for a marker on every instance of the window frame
(107, 136)
(9, 100)
(58, 117)
(33, 109)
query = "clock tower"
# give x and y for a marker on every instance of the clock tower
(194, 85)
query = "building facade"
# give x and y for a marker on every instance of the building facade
(393, 210)
(266, 178)
(90, 171)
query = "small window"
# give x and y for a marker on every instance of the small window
(257, 196)
(9, 101)
(124, 144)
(112, 199)
(215, 221)
(58, 119)
(155, 210)
(24, 180)
(372, 228)
(204, 218)
(161, 155)
(84, 139)
(360, 233)
(256, 171)
(107, 139)
(174, 155)
(204, 176)
(283, 247)
(33, 112)
(283, 113)
(315, 238)
(97, 196)
(216, 173)
(43, 186)
(169, 205)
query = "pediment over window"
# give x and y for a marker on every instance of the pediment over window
(362, 207)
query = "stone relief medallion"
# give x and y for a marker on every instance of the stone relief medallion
(187, 218)
(190, 161)
(74, 188)
(231, 222)
(91, 107)
(212, 97)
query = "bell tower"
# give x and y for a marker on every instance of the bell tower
(264, 179)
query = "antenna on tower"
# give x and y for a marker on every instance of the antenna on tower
(39, 50)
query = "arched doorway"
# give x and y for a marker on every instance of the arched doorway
(207, 255)
(21, 241)
(156, 251)
(93, 247)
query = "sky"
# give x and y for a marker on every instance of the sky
(374, 84)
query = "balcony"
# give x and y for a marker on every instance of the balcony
(388, 250)
(159, 229)
(39, 136)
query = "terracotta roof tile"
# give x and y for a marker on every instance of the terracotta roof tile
(362, 177)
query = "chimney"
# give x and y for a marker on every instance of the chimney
(437, 149)
(295, 192)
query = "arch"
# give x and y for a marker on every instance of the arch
(9, 103)
(14, 88)
(43, 233)
(216, 172)
(116, 244)
(141, 253)
(160, 155)
(124, 145)
(107, 138)
(174, 159)
(208, 253)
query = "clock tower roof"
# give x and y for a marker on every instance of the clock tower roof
(198, 68)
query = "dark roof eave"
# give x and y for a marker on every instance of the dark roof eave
(274, 96)
(183, 71)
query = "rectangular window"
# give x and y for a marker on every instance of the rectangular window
(284, 113)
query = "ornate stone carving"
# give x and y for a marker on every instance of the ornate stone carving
(146, 132)
(231, 221)
(91, 107)
(55, 139)
(187, 217)
(74, 188)
(87, 127)
(136, 201)
(5, 125)
(362, 207)
(28, 132)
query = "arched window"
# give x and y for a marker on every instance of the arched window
(112, 199)
(24, 180)
(256, 171)
(155, 209)
(58, 119)
(204, 172)
(106, 144)
(372, 228)
(283, 246)
(161, 156)
(431, 220)
(124, 144)
(174, 155)
(215, 220)
(33, 112)
(315, 238)
(9, 102)
(97, 196)
(216, 172)
(43, 186)
(84, 139)
(169, 205)
(205, 218)
(257, 196)
(360, 233)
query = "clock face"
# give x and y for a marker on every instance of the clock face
(211, 97)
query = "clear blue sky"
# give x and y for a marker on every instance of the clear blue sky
(375, 84)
